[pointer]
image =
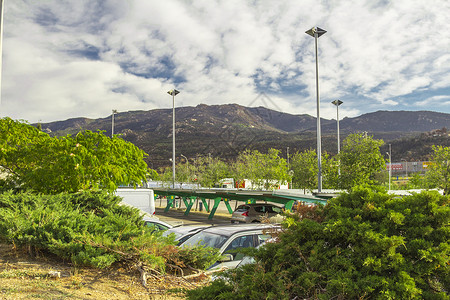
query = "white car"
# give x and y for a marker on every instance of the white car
(229, 238)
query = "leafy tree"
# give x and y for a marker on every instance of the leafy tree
(210, 171)
(331, 171)
(438, 174)
(304, 165)
(416, 181)
(261, 169)
(360, 159)
(35, 161)
(365, 244)
(184, 172)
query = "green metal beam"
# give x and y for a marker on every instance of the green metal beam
(213, 210)
(170, 200)
(189, 204)
(205, 204)
(227, 204)
(246, 196)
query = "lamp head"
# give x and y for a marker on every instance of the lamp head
(337, 102)
(173, 92)
(315, 30)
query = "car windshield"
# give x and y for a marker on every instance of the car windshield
(206, 239)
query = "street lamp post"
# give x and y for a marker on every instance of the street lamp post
(337, 103)
(316, 32)
(1, 43)
(114, 111)
(390, 166)
(173, 93)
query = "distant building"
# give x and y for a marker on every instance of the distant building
(409, 167)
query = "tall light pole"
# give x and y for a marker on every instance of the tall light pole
(114, 111)
(390, 166)
(173, 93)
(316, 32)
(1, 45)
(337, 103)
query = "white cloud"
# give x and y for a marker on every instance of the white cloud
(434, 101)
(72, 58)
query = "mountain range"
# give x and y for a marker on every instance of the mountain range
(225, 130)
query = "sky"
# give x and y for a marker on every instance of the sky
(83, 58)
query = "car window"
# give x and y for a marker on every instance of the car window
(262, 238)
(244, 241)
(268, 209)
(206, 239)
(277, 209)
(242, 208)
(273, 209)
(259, 209)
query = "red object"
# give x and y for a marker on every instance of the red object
(245, 214)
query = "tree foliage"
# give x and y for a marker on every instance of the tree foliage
(32, 160)
(210, 171)
(365, 244)
(263, 170)
(304, 165)
(359, 160)
(438, 174)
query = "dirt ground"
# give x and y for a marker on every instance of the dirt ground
(25, 277)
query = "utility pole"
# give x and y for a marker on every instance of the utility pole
(1, 45)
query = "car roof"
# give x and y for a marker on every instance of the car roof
(232, 229)
(187, 228)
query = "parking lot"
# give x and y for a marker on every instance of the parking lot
(177, 217)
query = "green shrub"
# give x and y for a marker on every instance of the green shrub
(363, 245)
(89, 228)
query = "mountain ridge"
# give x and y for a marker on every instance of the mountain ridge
(226, 130)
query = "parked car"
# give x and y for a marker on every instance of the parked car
(244, 261)
(253, 213)
(158, 224)
(182, 233)
(229, 238)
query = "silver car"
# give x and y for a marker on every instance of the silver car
(254, 213)
(229, 238)
(182, 233)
